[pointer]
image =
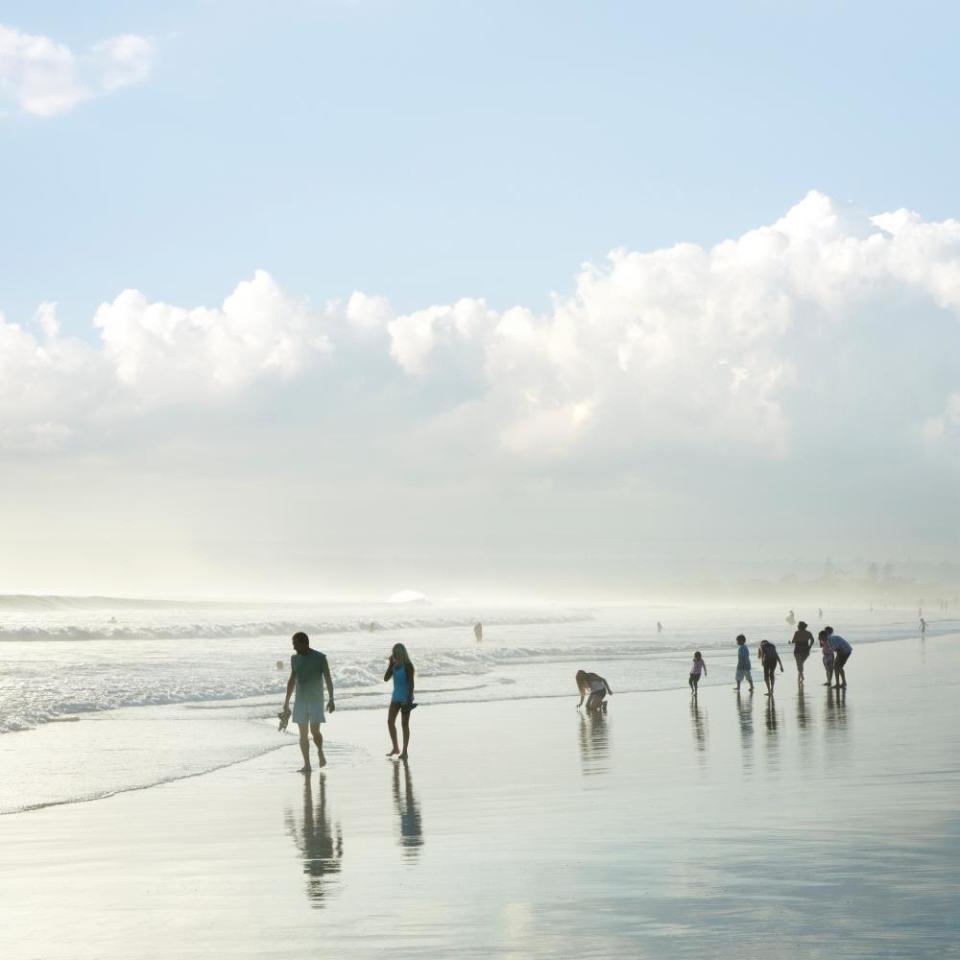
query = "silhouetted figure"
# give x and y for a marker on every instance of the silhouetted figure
(320, 842)
(659, 627)
(841, 654)
(791, 618)
(411, 823)
(802, 644)
(697, 667)
(478, 631)
(923, 626)
(770, 659)
(819, 613)
(309, 670)
(743, 663)
(595, 688)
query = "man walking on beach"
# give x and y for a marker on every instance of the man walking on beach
(309, 671)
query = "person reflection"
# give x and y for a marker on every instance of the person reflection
(836, 715)
(801, 708)
(771, 717)
(745, 716)
(698, 717)
(411, 823)
(594, 742)
(320, 843)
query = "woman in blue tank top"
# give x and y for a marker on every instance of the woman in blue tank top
(400, 670)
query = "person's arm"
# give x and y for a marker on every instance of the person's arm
(331, 706)
(607, 685)
(291, 685)
(583, 692)
(413, 678)
(389, 672)
(780, 662)
(704, 662)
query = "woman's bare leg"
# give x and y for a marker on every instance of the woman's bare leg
(405, 724)
(392, 727)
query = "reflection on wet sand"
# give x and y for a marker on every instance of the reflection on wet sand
(801, 708)
(836, 712)
(594, 742)
(411, 822)
(772, 723)
(698, 718)
(320, 843)
(745, 716)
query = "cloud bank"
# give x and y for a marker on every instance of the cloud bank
(828, 329)
(45, 78)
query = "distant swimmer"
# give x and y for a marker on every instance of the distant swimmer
(791, 618)
(802, 645)
(309, 671)
(819, 613)
(696, 668)
(478, 631)
(400, 670)
(923, 625)
(597, 688)
(743, 663)
(827, 656)
(659, 627)
(280, 664)
(770, 659)
(841, 654)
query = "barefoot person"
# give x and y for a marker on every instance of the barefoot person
(594, 685)
(309, 671)
(743, 663)
(770, 660)
(841, 654)
(802, 644)
(696, 668)
(400, 670)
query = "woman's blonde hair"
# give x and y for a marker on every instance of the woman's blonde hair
(401, 655)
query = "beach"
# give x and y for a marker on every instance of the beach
(814, 825)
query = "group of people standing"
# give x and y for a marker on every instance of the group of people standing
(835, 652)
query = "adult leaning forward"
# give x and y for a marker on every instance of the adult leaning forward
(841, 654)
(309, 670)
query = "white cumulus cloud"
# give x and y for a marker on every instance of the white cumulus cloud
(45, 78)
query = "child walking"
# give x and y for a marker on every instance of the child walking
(696, 668)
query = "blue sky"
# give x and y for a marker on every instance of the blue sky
(429, 150)
(370, 321)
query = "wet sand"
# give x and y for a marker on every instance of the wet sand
(818, 825)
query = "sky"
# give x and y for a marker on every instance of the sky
(343, 297)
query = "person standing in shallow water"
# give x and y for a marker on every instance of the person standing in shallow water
(309, 670)
(400, 670)
(802, 643)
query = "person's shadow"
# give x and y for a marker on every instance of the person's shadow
(411, 822)
(320, 842)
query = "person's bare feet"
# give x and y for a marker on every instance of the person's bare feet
(322, 760)
(394, 752)
(402, 756)
(305, 770)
